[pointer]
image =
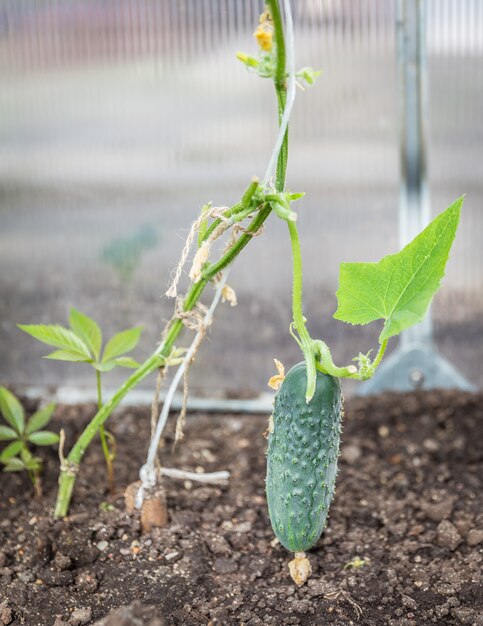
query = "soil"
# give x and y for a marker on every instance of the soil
(403, 546)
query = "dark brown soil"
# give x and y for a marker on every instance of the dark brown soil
(406, 507)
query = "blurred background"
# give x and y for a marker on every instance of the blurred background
(120, 118)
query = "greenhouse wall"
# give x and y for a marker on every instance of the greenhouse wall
(120, 119)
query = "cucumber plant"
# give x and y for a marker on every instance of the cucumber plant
(21, 434)
(82, 343)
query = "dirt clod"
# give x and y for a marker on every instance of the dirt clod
(448, 536)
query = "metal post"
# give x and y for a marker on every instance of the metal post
(416, 363)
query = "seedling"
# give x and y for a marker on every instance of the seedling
(17, 456)
(82, 343)
(125, 253)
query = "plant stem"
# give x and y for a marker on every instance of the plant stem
(105, 446)
(68, 474)
(380, 354)
(297, 312)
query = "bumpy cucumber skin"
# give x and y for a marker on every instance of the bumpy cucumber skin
(303, 448)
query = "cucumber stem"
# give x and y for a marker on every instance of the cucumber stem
(297, 312)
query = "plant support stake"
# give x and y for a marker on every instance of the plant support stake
(416, 363)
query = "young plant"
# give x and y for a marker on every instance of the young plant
(17, 456)
(82, 343)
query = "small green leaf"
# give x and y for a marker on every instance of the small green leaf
(43, 438)
(11, 450)
(7, 434)
(105, 367)
(400, 287)
(204, 224)
(58, 337)
(122, 342)
(67, 355)
(87, 329)
(14, 465)
(34, 464)
(40, 418)
(12, 410)
(127, 361)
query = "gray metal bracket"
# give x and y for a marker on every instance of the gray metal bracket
(415, 366)
(416, 363)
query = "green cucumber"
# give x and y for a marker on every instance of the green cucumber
(303, 447)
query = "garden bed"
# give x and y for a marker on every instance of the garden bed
(403, 541)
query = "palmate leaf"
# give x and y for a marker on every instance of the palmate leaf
(88, 330)
(58, 337)
(12, 410)
(399, 288)
(122, 342)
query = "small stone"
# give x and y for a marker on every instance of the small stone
(26, 577)
(135, 613)
(438, 511)
(62, 562)
(465, 615)
(80, 617)
(431, 445)
(351, 453)
(6, 615)
(474, 537)
(102, 545)
(87, 582)
(448, 536)
(218, 545)
(54, 578)
(224, 566)
(408, 602)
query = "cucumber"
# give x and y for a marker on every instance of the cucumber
(303, 447)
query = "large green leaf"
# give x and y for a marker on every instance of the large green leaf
(12, 410)
(57, 336)
(399, 288)
(40, 418)
(43, 438)
(122, 342)
(88, 330)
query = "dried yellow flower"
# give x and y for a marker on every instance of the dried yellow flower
(277, 380)
(200, 259)
(228, 295)
(264, 32)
